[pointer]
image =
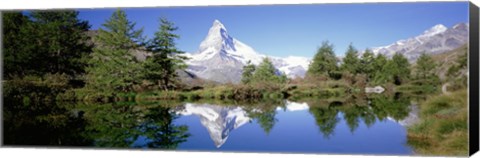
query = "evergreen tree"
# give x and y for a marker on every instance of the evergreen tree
(424, 68)
(112, 65)
(380, 74)
(398, 69)
(351, 61)
(45, 42)
(324, 62)
(62, 41)
(266, 72)
(248, 71)
(367, 64)
(166, 58)
(18, 57)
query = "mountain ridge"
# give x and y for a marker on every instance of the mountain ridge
(435, 40)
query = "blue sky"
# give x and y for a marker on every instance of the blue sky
(283, 30)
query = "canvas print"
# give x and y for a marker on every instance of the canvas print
(360, 78)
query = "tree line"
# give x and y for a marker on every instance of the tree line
(38, 43)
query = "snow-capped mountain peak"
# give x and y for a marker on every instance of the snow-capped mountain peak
(435, 40)
(439, 28)
(217, 38)
(221, 58)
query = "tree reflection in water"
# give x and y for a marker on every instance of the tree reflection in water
(152, 125)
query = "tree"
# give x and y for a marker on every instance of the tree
(112, 64)
(324, 62)
(398, 69)
(45, 42)
(160, 131)
(266, 72)
(367, 64)
(161, 67)
(248, 71)
(424, 68)
(351, 61)
(62, 40)
(380, 75)
(18, 56)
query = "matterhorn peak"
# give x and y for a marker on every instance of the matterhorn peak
(217, 38)
(218, 24)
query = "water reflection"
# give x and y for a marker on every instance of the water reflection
(163, 125)
(218, 120)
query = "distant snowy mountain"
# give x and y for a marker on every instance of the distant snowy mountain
(221, 58)
(435, 40)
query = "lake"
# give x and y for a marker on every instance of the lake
(376, 125)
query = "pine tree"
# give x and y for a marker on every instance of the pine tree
(166, 59)
(62, 41)
(266, 72)
(380, 74)
(324, 62)
(424, 68)
(112, 65)
(248, 71)
(367, 64)
(18, 57)
(45, 42)
(398, 69)
(351, 61)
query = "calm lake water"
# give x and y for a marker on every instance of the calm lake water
(370, 126)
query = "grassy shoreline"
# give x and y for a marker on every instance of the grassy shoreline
(235, 92)
(442, 128)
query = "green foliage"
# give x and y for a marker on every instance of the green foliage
(367, 65)
(380, 75)
(398, 69)
(161, 67)
(424, 68)
(112, 65)
(56, 43)
(248, 71)
(324, 62)
(351, 63)
(266, 73)
(456, 73)
(443, 125)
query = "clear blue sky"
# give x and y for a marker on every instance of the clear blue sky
(283, 30)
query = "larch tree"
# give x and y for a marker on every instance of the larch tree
(351, 61)
(161, 67)
(112, 65)
(266, 72)
(425, 66)
(367, 64)
(324, 62)
(398, 69)
(247, 73)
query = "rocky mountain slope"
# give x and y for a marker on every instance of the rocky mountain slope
(436, 40)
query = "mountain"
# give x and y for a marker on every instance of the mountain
(221, 58)
(218, 120)
(435, 40)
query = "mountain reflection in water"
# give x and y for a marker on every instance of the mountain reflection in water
(362, 126)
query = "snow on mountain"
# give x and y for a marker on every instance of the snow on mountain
(218, 120)
(221, 58)
(294, 106)
(437, 39)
